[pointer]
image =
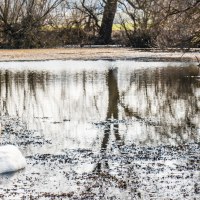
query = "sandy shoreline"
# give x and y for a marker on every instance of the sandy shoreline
(94, 54)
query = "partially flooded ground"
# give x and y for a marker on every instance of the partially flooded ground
(102, 129)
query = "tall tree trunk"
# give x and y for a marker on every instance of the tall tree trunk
(107, 22)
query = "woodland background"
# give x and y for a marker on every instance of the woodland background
(134, 23)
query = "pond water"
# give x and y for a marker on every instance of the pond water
(114, 121)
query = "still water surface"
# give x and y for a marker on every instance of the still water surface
(92, 104)
(100, 106)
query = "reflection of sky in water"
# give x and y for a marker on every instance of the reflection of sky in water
(91, 104)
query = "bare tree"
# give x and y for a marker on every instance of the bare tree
(158, 23)
(91, 11)
(178, 23)
(140, 15)
(107, 22)
(21, 20)
(168, 23)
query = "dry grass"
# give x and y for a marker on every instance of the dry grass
(93, 54)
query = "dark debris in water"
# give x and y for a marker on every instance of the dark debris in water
(133, 172)
(124, 172)
(15, 132)
(108, 122)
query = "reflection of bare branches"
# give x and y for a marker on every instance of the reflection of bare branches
(198, 61)
(95, 104)
(112, 112)
(32, 81)
(14, 81)
(7, 87)
(113, 93)
(168, 98)
(167, 86)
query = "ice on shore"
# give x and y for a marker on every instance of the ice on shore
(11, 159)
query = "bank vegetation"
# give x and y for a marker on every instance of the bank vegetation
(135, 23)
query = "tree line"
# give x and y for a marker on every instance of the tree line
(136, 23)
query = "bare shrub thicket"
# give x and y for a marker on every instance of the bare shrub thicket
(177, 23)
(164, 23)
(21, 21)
(82, 21)
(138, 22)
(142, 23)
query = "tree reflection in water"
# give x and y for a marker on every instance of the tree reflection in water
(111, 122)
(142, 106)
(167, 105)
(115, 112)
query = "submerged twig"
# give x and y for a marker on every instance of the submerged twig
(198, 61)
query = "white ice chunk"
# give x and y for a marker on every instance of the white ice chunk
(11, 159)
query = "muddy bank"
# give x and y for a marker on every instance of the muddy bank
(96, 54)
